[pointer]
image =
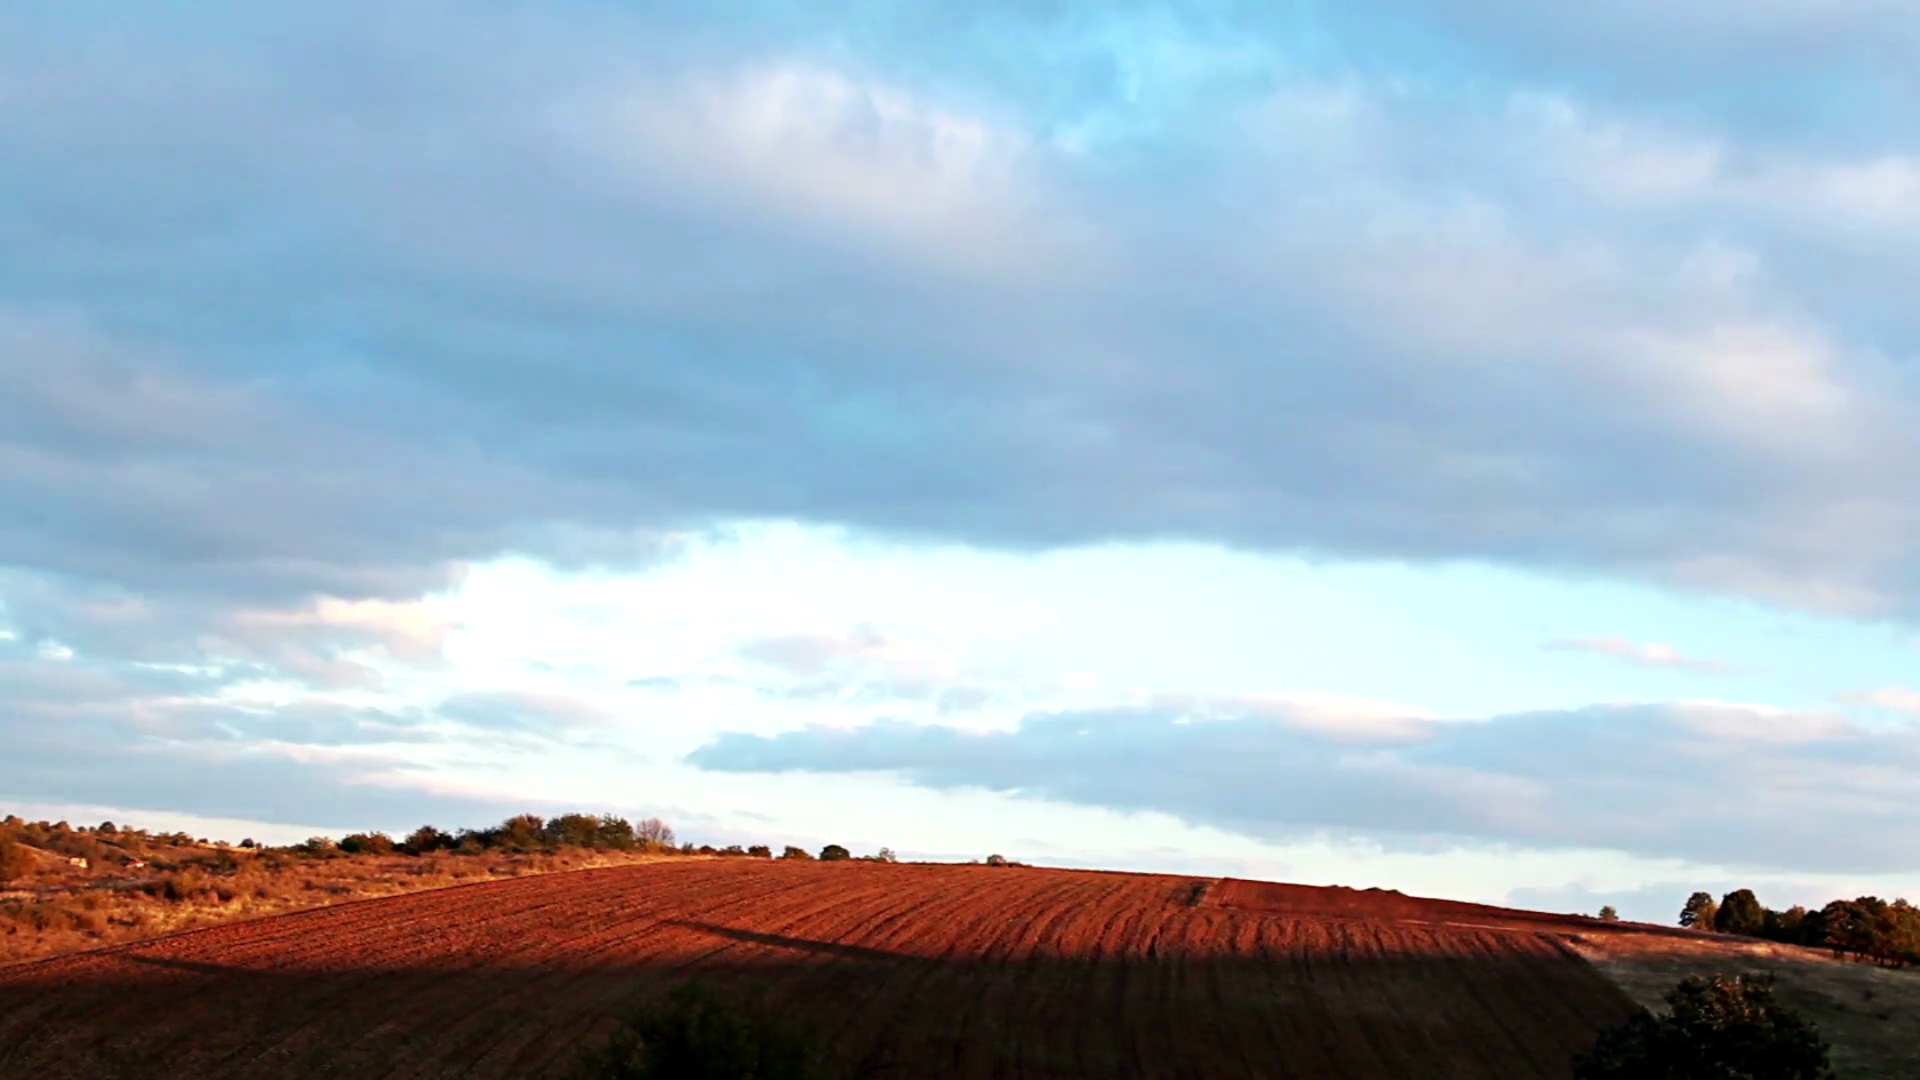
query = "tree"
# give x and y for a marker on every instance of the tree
(1715, 1029)
(617, 833)
(426, 838)
(885, 854)
(1740, 913)
(834, 853)
(1699, 911)
(793, 852)
(760, 851)
(1608, 914)
(523, 832)
(377, 843)
(654, 833)
(573, 830)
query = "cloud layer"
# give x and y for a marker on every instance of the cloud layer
(347, 339)
(304, 313)
(1714, 783)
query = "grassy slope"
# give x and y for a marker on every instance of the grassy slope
(1870, 1014)
(59, 909)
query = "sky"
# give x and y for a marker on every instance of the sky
(1469, 447)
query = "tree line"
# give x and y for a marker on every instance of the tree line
(1864, 928)
(531, 832)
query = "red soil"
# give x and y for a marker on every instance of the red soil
(906, 971)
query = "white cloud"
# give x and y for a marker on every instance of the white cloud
(1651, 654)
(1895, 698)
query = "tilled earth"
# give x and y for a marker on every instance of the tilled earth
(902, 970)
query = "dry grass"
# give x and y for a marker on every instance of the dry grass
(204, 887)
(1870, 1014)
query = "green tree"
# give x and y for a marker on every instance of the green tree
(1609, 914)
(834, 853)
(1699, 911)
(1715, 1029)
(1740, 913)
(793, 852)
(697, 1034)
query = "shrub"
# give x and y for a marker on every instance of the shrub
(426, 838)
(793, 852)
(760, 851)
(1715, 1028)
(15, 861)
(997, 860)
(523, 832)
(377, 843)
(834, 853)
(696, 1034)
(1609, 913)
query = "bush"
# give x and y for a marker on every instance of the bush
(1609, 913)
(377, 843)
(426, 838)
(15, 861)
(997, 860)
(1715, 1028)
(792, 852)
(760, 851)
(834, 853)
(696, 1034)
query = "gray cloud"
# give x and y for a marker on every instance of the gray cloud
(398, 290)
(1010, 348)
(1655, 780)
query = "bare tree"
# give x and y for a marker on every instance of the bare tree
(654, 832)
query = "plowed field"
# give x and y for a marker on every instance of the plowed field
(905, 971)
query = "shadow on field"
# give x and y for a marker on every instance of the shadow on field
(140, 1012)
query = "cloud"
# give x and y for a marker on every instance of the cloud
(868, 666)
(1895, 698)
(1650, 654)
(1668, 780)
(927, 317)
(399, 290)
(523, 711)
